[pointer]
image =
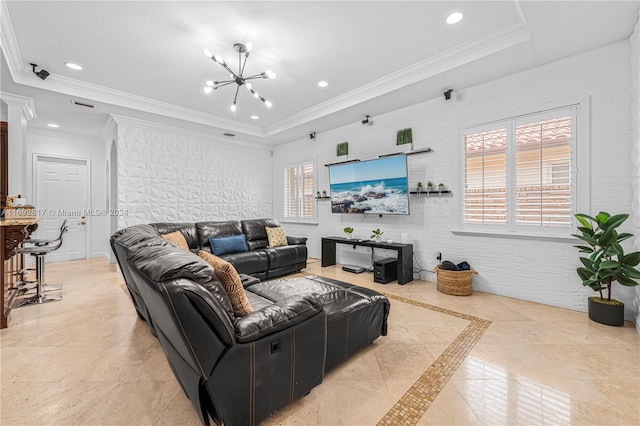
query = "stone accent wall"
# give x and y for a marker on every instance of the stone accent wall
(169, 176)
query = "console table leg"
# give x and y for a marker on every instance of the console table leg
(405, 265)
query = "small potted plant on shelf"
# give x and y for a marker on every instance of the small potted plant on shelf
(440, 189)
(377, 234)
(605, 264)
(348, 230)
(419, 188)
(429, 188)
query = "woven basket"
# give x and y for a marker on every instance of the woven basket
(456, 283)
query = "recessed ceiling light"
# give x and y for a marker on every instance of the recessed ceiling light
(73, 66)
(53, 125)
(254, 117)
(323, 83)
(454, 18)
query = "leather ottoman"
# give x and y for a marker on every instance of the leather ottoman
(356, 316)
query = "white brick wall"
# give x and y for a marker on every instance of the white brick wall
(535, 270)
(167, 176)
(635, 155)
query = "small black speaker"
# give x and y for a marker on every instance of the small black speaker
(385, 270)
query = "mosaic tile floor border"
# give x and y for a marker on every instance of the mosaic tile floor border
(416, 401)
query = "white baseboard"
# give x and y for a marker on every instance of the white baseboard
(98, 254)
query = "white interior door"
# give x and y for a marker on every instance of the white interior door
(62, 192)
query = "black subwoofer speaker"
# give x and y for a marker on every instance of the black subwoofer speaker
(385, 270)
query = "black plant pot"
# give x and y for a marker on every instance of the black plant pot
(606, 313)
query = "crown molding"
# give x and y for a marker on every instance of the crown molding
(121, 120)
(8, 42)
(502, 38)
(26, 104)
(518, 6)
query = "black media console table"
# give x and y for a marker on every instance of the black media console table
(405, 254)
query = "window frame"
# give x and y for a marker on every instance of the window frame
(580, 180)
(298, 219)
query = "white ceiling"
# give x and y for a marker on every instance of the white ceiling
(144, 59)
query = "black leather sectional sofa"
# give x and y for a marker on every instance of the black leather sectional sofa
(259, 261)
(239, 370)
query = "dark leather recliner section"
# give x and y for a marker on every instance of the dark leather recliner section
(235, 370)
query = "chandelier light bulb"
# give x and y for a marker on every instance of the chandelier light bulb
(268, 104)
(233, 107)
(248, 46)
(218, 59)
(270, 74)
(207, 53)
(208, 89)
(209, 83)
(255, 94)
(248, 86)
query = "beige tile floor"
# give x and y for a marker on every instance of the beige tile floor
(88, 360)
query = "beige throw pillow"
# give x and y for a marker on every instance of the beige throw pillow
(177, 239)
(276, 236)
(231, 281)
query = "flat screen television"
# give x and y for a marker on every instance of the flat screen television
(376, 186)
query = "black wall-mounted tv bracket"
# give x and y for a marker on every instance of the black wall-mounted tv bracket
(364, 214)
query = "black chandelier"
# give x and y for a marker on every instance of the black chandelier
(238, 78)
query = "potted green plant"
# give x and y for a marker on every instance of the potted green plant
(377, 234)
(348, 230)
(605, 264)
(429, 186)
(419, 189)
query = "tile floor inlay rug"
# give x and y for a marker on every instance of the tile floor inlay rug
(416, 401)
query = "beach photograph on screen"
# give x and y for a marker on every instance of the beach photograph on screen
(376, 186)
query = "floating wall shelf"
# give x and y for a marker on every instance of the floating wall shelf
(412, 152)
(430, 192)
(341, 162)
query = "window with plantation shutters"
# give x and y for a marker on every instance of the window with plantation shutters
(299, 198)
(543, 171)
(485, 179)
(519, 174)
